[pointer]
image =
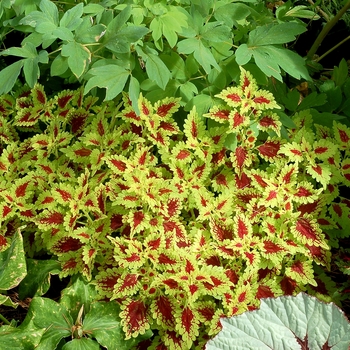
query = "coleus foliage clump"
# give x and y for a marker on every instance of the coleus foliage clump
(181, 227)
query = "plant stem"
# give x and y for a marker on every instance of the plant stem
(319, 10)
(326, 29)
(333, 48)
(3, 319)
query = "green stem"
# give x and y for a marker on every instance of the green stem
(333, 48)
(4, 320)
(326, 29)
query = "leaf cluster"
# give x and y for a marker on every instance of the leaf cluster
(187, 49)
(180, 227)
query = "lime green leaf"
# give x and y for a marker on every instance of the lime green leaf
(216, 32)
(272, 327)
(79, 57)
(79, 294)
(37, 281)
(111, 77)
(7, 301)
(157, 70)
(71, 18)
(12, 263)
(81, 344)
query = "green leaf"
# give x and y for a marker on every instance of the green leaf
(216, 32)
(71, 18)
(27, 51)
(81, 344)
(63, 34)
(111, 77)
(340, 74)
(273, 34)
(59, 66)
(103, 322)
(80, 293)
(24, 337)
(134, 93)
(200, 52)
(51, 317)
(231, 13)
(286, 323)
(79, 57)
(12, 263)
(157, 70)
(37, 281)
(333, 93)
(312, 100)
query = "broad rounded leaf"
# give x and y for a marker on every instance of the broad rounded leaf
(289, 322)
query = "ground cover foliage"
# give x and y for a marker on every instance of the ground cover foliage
(172, 162)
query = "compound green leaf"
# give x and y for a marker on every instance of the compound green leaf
(289, 322)
(111, 77)
(273, 34)
(12, 263)
(79, 57)
(71, 18)
(37, 281)
(81, 344)
(216, 32)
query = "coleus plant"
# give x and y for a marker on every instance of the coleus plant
(181, 227)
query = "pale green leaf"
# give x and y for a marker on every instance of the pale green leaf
(111, 77)
(50, 10)
(134, 93)
(12, 263)
(216, 32)
(243, 54)
(157, 70)
(9, 75)
(79, 57)
(27, 51)
(7, 301)
(285, 323)
(31, 71)
(93, 9)
(59, 66)
(63, 34)
(275, 34)
(71, 18)
(231, 13)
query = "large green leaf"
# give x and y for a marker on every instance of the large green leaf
(9, 75)
(157, 70)
(111, 77)
(53, 318)
(293, 323)
(37, 281)
(79, 294)
(103, 323)
(12, 263)
(71, 18)
(81, 344)
(264, 44)
(79, 57)
(24, 337)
